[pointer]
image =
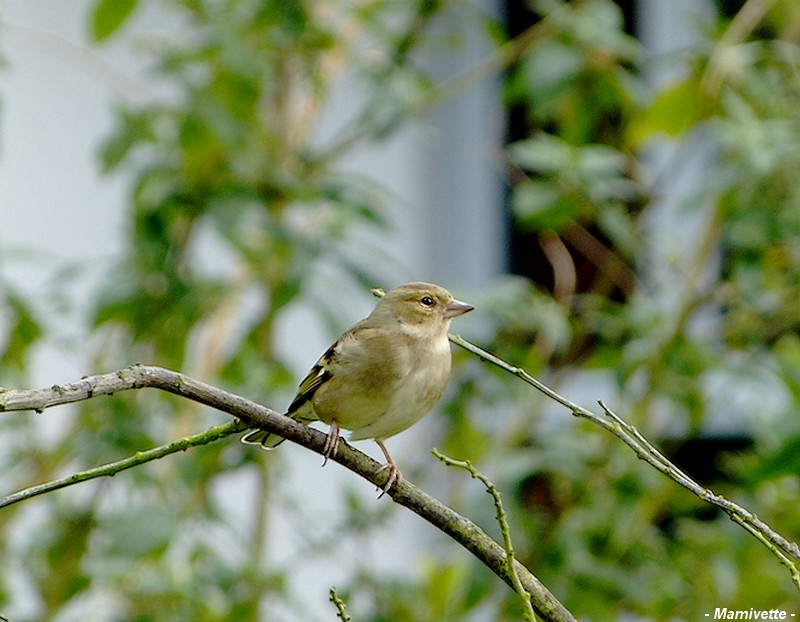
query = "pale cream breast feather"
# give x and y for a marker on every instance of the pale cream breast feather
(414, 396)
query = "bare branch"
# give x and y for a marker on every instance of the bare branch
(787, 552)
(461, 529)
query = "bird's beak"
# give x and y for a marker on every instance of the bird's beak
(455, 308)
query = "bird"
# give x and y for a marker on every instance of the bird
(380, 376)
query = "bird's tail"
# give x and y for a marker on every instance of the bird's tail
(270, 440)
(261, 437)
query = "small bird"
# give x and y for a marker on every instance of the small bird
(382, 375)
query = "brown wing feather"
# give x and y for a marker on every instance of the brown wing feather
(313, 381)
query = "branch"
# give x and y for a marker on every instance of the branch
(494, 63)
(253, 415)
(341, 609)
(112, 468)
(500, 515)
(742, 24)
(787, 552)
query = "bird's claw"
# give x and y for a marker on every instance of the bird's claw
(331, 445)
(395, 477)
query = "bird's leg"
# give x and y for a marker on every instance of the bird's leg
(331, 442)
(395, 476)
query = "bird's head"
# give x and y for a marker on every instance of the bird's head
(423, 308)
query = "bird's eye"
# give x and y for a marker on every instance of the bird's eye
(427, 301)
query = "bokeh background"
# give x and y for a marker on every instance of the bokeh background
(213, 186)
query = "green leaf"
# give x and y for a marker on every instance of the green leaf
(542, 153)
(598, 25)
(108, 16)
(674, 111)
(600, 174)
(783, 461)
(538, 203)
(553, 66)
(133, 129)
(22, 331)
(618, 224)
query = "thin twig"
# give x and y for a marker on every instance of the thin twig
(84, 58)
(505, 530)
(498, 60)
(787, 552)
(112, 468)
(341, 609)
(743, 23)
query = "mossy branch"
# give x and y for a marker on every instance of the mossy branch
(112, 468)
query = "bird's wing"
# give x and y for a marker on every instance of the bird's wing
(300, 408)
(316, 377)
(346, 347)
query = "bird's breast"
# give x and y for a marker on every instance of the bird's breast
(420, 386)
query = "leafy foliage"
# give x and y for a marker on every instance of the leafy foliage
(237, 203)
(235, 206)
(610, 538)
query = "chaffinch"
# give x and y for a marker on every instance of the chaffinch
(382, 375)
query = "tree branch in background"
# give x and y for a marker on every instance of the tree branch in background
(250, 414)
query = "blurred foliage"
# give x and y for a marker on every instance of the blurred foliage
(22, 332)
(696, 344)
(238, 213)
(237, 203)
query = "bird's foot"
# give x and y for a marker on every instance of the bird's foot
(395, 476)
(331, 443)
